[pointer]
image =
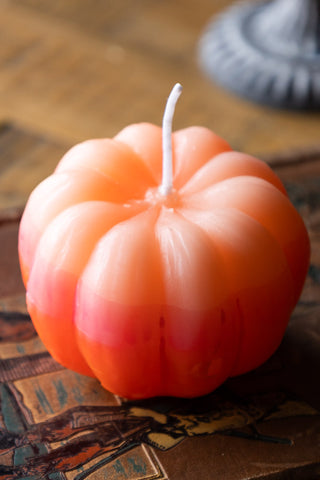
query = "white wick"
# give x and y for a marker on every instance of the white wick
(167, 186)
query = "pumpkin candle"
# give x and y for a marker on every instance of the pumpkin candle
(161, 276)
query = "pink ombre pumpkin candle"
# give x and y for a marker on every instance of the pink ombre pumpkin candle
(161, 270)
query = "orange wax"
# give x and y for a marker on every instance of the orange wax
(161, 293)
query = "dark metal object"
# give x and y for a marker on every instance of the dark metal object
(268, 52)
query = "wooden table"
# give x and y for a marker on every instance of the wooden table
(81, 69)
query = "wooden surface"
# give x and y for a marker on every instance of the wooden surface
(77, 69)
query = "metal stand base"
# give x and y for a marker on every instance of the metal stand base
(267, 52)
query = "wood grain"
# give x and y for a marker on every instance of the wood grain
(81, 69)
(26, 158)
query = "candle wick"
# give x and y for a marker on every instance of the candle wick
(167, 174)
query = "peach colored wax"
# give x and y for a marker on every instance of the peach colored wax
(161, 287)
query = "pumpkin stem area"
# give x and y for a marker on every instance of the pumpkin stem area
(166, 186)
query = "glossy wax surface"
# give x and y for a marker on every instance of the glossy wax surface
(161, 295)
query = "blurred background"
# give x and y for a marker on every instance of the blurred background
(77, 69)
